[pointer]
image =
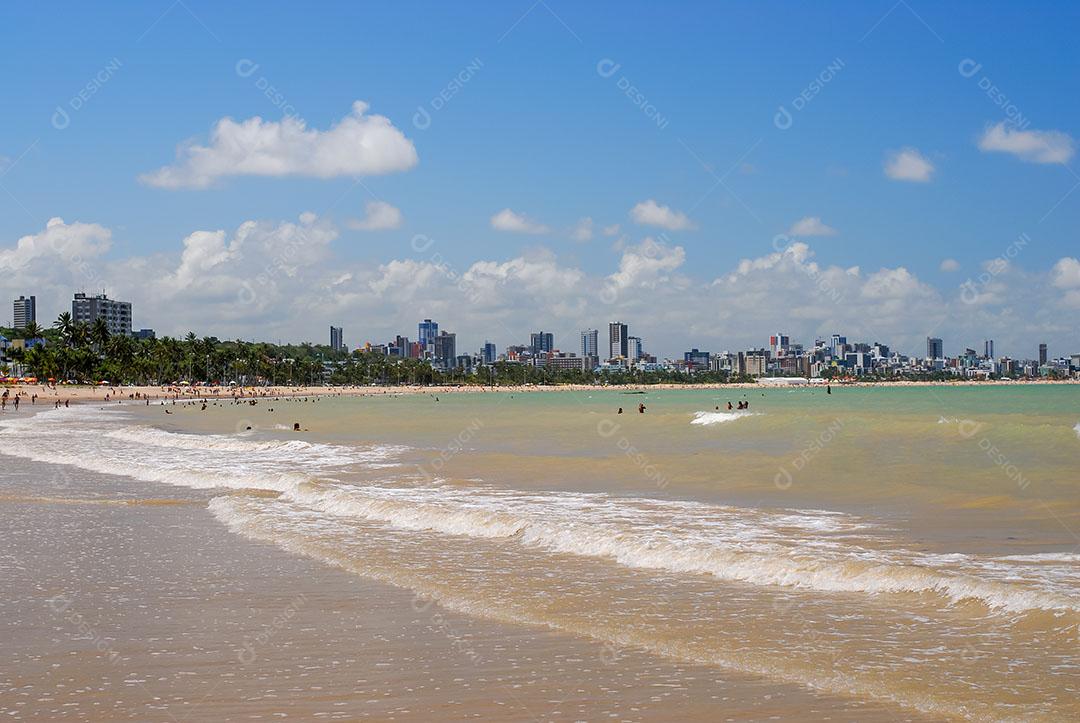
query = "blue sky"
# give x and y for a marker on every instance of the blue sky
(542, 125)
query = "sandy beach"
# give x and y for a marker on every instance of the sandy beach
(47, 394)
(123, 606)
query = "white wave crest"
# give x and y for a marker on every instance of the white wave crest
(710, 418)
(609, 528)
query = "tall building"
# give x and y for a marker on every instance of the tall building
(633, 348)
(1042, 354)
(779, 344)
(839, 345)
(25, 311)
(934, 348)
(695, 359)
(617, 333)
(428, 330)
(337, 341)
(488, 353)
(541, 342)
(445, 350)
(988, 349)
(88, 309)
(590, 344)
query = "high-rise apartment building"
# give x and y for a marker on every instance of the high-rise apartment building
(590, 344)
(444, 352)
(337, 340)
(428, 330)
(617, 334)
(88, 309)
(541, 342)
(839, 345)
(1042, 354)
(488, 353)
(934, 348)
(25, 311)
(988, 349)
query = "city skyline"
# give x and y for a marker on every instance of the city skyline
(702, 204)
(83, 310)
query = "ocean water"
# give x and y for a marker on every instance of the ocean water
(917, 547)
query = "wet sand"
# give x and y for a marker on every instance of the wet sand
(127, 601)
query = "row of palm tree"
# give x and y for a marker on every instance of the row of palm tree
(88, 353)
(83, 352)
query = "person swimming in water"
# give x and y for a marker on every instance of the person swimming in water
(641, 408)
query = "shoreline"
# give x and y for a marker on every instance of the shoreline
(140, 393)
(102, 624)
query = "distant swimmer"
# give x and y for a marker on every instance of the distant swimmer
(168, 411)
(641, 408)
(729, 407)
(828, 389)
(620, 410)
(296, 426)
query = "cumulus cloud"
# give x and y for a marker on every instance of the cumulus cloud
(611, 230)
(1066, 273)
(811, 226)
(583, 230)
(1031, 146)
(908, 164)
(275, 279)
(650, 213)
(378, 216)
(647, 264)
(949, 265)
(57, 242)
(508, 220)
(358, 145)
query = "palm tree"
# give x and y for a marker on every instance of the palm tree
(65, 326)
(99, 333)
(31, 331)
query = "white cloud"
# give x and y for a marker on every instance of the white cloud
(59, 241)
(611, 230)
(1066, 273)
(650, 213)
(358, 145)
(949, 265)
(283, 280)
(378, 216)
(908, 164)
(1030, 146)
(811, 226)
(583, 231)
(507, 220)
(647, 264)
